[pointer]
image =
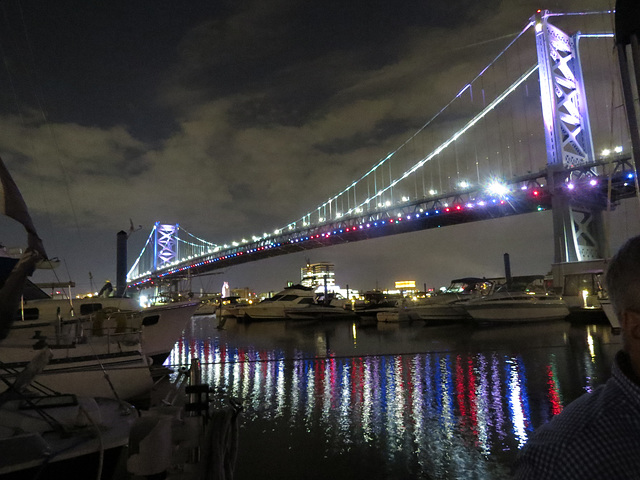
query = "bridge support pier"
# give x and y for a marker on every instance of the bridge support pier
(577, 221)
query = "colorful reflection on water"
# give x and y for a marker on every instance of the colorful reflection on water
(461, 408)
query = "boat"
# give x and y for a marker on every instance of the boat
(161, 323)
(39, 430)
(443, 308)
(376, 302)
(99, 355)
(275, 308)
(524, 299)
(222, 307)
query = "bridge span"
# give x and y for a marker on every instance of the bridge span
(509, 143)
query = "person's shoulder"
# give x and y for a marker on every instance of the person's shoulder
(589, 434)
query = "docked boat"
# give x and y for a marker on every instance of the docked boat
(446, 307)
(276, 307)
(40, 430)
(375, 302)
(161, 323)
(524, 299)
(101, 357)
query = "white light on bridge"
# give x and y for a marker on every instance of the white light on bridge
(433, 192)
(464, 184)
(405, 199)
(497, 188)
(618, 149)
(605, 152)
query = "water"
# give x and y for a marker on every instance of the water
(393, 401)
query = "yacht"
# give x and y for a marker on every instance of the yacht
(448, 306)
(524, 299)
(329, 306)
(275, 308)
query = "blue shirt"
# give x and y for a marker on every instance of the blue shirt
(596, 436)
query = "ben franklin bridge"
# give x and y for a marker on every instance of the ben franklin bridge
(547, 124)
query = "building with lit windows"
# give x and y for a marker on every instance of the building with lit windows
(314, 275)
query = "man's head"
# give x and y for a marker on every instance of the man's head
(623, 285)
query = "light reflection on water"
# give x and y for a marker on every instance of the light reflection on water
(341, 401)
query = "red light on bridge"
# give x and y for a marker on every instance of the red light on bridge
(536, 193)
(458, 207)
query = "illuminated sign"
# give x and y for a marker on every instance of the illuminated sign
(406, 284)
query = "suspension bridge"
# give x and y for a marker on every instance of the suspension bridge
(542, 126)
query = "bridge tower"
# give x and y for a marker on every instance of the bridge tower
(577, 222)
(165, 249)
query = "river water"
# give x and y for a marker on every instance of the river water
(343, 400)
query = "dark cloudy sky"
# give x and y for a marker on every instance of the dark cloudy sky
(235, 117)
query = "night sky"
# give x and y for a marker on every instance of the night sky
(234, 118)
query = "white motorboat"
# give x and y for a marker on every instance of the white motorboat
(525, 299)
(276, 307)
(448, 306)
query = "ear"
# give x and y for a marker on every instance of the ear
(631, 325)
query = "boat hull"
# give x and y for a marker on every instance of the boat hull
(162, 326)
(85, 370)
(517, 312)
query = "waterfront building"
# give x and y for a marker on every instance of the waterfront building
(316, 275)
